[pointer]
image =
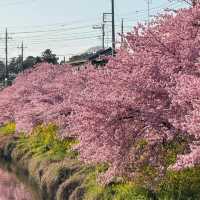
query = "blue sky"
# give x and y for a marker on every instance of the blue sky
(65, 26)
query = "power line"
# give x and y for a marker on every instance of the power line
(62, 38)
(70, 39)
(144, 16)
(50, 30)
(144, 11)
(16, 3)
(56, 34)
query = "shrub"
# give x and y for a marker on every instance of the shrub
(44, 142)
(8, 129)
(115, 191)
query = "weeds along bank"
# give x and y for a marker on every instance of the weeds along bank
(138, 115)
(52, 164)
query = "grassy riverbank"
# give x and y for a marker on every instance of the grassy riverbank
(53, 165)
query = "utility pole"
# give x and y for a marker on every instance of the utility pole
(113, 26)
(148, 11)
(22, 54)
(105, 20)
(122, 32)
(148, 2)
(103, 36)
(102, 28)
(6, 55)
(6, 51)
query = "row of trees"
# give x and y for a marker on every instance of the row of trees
(129, 114)
(16, 65)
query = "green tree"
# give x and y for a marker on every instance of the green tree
(29, 62)
(48, 56)
(2, 68)
(15, 65)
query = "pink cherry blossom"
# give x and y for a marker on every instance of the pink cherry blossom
(148, 92)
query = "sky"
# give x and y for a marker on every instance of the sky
(66, 26)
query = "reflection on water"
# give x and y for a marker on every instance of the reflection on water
(11, 188)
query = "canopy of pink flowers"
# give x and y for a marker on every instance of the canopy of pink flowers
(40, 95)
(149, 91)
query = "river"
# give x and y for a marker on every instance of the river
(15, 187)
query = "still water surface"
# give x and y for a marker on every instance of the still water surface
(12, 187)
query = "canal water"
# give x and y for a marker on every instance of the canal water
(14, 184)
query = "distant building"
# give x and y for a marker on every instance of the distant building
(98, 58)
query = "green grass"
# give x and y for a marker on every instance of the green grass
(8, 129)
(115, 191)
(182, 185)
(172, 149)
(44, 144)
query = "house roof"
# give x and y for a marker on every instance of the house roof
(102, 52)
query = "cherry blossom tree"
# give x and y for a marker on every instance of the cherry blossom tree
(124, 113)
(148, 92)
(40, 95)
